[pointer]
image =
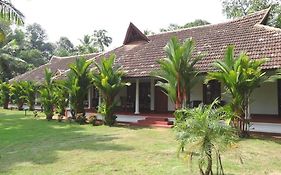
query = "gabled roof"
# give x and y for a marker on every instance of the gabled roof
(134, 34)
(58, 65)
(247, 33)
(139, 55)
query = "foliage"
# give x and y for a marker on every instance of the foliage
(177, 71)
(240, 77)
(237, 8)
(64, 47)
(5, 94)
(18, 94)
(101, 40)
(10, 14)
(61, 97)
(78, 83)
(47, 94)
(195, 23)
(87, 45)
(202, 132)
(29, 91)
(108, 80)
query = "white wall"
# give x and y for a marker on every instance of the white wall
(171, 105)
(122, 93)
(265, 99)
(196, 92)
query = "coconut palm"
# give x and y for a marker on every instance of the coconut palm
(78, 83)
(47, 94)
(202, 133)
(108, 80)
(87, 45)
(5, 89)
(178, 71)
(240, 77)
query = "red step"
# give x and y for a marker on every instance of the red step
(154, 122)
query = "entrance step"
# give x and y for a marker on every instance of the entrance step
(155, 122)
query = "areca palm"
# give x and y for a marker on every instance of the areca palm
(108, 80)
(79, 82)
(30, 89)
(240, 76)
(178, 71)
(204, 136)
(47, 94)
(18, 94)
(5, 89)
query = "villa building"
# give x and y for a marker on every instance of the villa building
(139, 54)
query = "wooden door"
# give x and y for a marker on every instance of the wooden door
(161, 101)
(211, 91)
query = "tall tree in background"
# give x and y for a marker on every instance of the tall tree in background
(64, 47)
(197, 22)
(101, 40)
(87, 45)
(238, 8)
(36, 38)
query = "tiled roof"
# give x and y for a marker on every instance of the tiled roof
(248, 34)
(57, 65)
(139, 55)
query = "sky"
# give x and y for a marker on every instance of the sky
(74, 19)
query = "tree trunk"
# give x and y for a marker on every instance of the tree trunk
(209, 157)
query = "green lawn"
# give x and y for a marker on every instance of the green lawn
(36, 146)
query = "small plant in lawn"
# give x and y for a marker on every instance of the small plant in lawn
(204, 133)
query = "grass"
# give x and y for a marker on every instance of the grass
(36, 146)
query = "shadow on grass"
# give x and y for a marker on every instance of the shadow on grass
(26, 139)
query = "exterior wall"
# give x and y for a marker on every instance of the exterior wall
(122, 93)
(265, 99)
(171, 105)
(196, 92)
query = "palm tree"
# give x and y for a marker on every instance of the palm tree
(240, 76)
(30, 89)
(5, 89)
(108, 80)
(18, 94)
(10, 13)
(8, 62)
(87, 45)
(178, 71)
(204, 135)
(61, 96)
(47, 94)
(79, 80)
(101, 40)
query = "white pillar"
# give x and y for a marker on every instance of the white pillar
(137, 107)
(90, 97)
(152, 94)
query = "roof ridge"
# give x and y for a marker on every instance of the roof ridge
(73, 56)
(222, 23)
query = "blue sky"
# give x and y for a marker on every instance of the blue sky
(73, 19)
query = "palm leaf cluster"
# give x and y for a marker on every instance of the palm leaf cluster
(108, 79)
(177, 70)
(202, 133)
(240, 76)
